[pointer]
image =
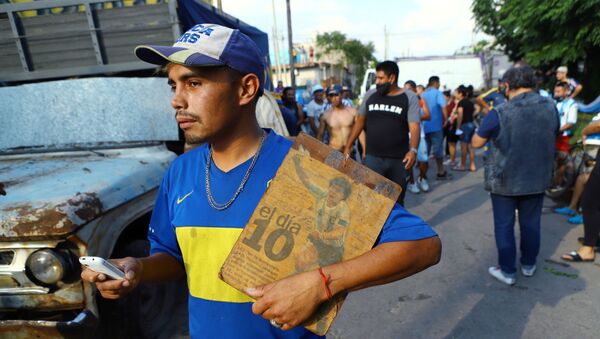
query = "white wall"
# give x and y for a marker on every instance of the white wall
(453, 71)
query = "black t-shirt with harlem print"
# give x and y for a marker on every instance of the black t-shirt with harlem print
(387, 125)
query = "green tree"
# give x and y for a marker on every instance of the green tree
(546, 34)
(354, 52)
(479, 47)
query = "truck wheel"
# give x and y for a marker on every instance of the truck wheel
(149, 311)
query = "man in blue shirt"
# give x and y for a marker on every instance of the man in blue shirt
(434, 134)
(209, 193)
(293, 116)
(492, 98)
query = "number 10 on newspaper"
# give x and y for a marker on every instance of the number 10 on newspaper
(317, 211)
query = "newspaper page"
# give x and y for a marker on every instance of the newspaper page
(318, 210)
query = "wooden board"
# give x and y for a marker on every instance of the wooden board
(317, 210)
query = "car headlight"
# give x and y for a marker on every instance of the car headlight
(46, 266)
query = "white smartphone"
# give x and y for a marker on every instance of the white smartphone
(103, 266)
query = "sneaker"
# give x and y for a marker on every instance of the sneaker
(497, 273)
(445, 176)
(556, 189)
(423, 184)
(565, 211)
(413, 188)
(528, 271)
(450, 163)
(578, 219)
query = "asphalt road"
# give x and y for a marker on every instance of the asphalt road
(458, 299)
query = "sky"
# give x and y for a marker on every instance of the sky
(415, 28)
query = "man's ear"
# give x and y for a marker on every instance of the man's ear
(507, 90)
(249, 87)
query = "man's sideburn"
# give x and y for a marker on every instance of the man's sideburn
(214, 75)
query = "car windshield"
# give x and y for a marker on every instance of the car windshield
(67, 114)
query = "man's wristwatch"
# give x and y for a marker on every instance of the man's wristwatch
(414, 150)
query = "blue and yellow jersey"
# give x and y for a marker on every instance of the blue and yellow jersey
(185, 226)
(493, 97)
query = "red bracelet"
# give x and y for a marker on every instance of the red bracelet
(325, 283)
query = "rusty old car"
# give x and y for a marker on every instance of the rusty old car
(80, 164)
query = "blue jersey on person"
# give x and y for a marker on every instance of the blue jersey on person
(493, 97)
(490, 125)
(185, 226)
(291, 120)
(435, 101)
(596, 136)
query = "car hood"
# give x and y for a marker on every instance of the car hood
(52, 194)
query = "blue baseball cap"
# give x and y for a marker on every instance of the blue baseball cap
(333, 90)
(209, 45)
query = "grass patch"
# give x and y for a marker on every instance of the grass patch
(560, 273)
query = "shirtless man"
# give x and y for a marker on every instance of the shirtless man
(338, 121)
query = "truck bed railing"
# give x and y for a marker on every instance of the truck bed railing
(85, 40)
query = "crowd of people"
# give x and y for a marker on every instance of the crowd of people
(444, 119)
(402, 129)
(209, 193)
(222, 180)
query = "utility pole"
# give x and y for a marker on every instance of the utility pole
(290, 45)
(275, 54)
(386, 41)
(284, 67)
(275, 40)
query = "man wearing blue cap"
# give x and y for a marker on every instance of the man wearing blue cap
(345, 93)
(208, 195)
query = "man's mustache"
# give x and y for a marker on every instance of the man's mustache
(187, 114)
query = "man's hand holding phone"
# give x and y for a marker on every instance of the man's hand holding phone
(116, 288)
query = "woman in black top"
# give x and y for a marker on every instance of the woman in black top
(465, 128)
(451, 137)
